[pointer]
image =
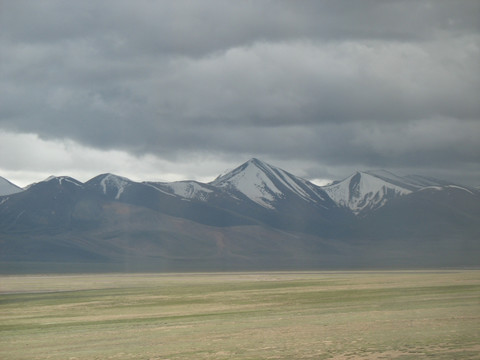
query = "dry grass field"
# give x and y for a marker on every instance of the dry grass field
(274, 315)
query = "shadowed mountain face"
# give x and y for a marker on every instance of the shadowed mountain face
(255, 217)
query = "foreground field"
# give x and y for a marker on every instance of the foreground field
(299, 315)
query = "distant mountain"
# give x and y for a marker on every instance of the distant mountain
(267, 185)
(279, 199)
(48, 206)
(189, 190)
(110, 185)
(436, 212)
(256, 216)
(162, 197)
(8, 188)
(366, 191)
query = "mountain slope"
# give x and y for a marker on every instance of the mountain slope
(162, 198)
(265, 184)
(50, 206)
(189, 190)
(434, 212)
(256, 216)
(109, 184)
(8, 188)
(369, 190)
(279, 199)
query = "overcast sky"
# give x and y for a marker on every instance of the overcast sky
(170, 90)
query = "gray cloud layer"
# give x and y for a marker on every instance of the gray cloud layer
(340, 84)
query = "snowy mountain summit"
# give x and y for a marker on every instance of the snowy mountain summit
(110, 184)
(265, 184)
(370, 190)
(261, 186)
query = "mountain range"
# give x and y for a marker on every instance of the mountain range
(256, 216)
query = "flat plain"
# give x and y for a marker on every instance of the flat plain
(244, 315)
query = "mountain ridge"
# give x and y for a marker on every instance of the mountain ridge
(254, 216)
(265, 185)
(408, 182)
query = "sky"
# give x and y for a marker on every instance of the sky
(176, 90)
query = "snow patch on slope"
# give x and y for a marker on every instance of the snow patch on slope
(437, 188)
(159, 187)
(117, 182)
(190, 190)
(50, 178)
(460, 188)
(292, 183)
(69, 180)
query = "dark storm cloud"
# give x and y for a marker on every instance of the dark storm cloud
(340, 83)
(192, 27)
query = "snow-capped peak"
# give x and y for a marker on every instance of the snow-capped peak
(110, 184)
(50, 178)
(252, 180)
(8, 188)
(367, 190)
(117, 182)
(265, 184)
(62, 179)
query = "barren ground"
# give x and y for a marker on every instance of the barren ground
(274, 315)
